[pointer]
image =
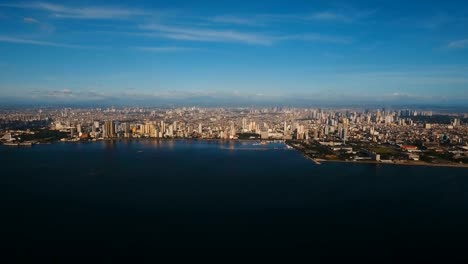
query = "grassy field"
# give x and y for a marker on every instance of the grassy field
(382, 150)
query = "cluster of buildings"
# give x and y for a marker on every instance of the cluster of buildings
(334, 128)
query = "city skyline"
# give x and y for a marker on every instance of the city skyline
(178, 52)
(397, 136)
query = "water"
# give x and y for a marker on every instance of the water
(210, 197)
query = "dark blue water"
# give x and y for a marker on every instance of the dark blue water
(184, 198)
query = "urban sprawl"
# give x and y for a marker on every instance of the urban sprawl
(374, 136)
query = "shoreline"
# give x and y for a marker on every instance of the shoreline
(317, 161)
(400, 163)
(137, 139)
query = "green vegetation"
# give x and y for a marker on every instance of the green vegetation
(383, 150)
(313, 149)
(248, 136)
(442, 157)
(44, 136)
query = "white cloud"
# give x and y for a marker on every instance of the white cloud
(264, 19)
(459, 44)
(236, 20)
(339, 16)
(217, 35)
(168, 30)
(167, 49)
(211, 35)
(30, 20)
(91, 12)
(44, 27)
(36, 42)
(317, 38)
(330, 16)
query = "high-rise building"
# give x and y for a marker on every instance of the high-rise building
(155, 132)
(233, 130)
(126, 129)
(344, 134)
(163, 126)
(109, 129)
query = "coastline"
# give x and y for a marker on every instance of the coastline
(137, 139)
(319, 161)
(400, 163)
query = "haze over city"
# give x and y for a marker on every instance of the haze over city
(234, 53)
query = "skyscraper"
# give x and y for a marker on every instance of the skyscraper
(344, 134)
(163, 127)
(126, 129)
(109, 129)
(233, 130)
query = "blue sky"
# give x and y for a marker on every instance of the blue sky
(265, 51)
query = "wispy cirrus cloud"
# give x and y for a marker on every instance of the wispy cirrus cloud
(8, 39)
(44, 27)
(264, 19)
(88, 12)
(201, 29)
(207, 35)
(238, 20)
(314, 37)
(167, 49)
(30, 20)
(330, 16)
(222, 35)
(335, 16)
(458, 44)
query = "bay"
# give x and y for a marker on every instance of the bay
(124, 198)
